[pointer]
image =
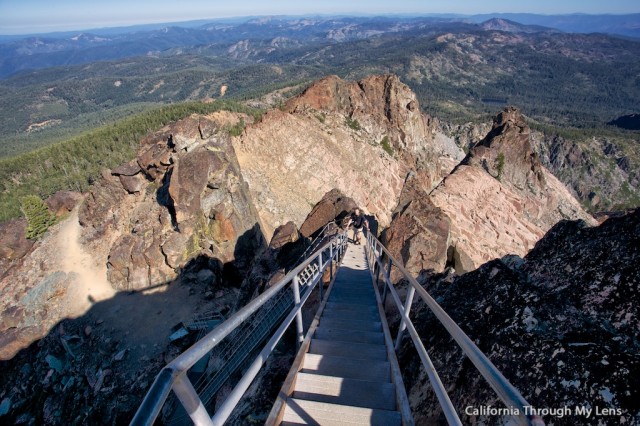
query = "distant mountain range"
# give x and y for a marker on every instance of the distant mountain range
(623, 25)
(68, 48)
(458, 68)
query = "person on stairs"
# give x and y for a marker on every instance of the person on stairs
(358, 221)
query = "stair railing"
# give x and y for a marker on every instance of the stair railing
(174, 375)
(516, 405)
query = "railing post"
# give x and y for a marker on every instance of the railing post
(331, 263)
(407, 309)
(296, 299)
(378, 262)
(321, 271)
(387, 280)
(191, 401)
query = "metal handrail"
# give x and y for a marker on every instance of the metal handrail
(173, 376)
(313, 245)
(512, 398)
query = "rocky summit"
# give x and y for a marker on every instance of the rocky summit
(359, 137)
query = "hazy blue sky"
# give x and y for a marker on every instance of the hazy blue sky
(30, 16)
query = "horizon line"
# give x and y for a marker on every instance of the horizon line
(452, 15)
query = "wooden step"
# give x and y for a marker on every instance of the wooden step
(362, 325)
(352, 350)
(356, 336)
(338, 390)
(328, 365)
(347, 315)
(301, 412)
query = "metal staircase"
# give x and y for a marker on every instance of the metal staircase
(346, 371)
(235, 341)
(327, 383)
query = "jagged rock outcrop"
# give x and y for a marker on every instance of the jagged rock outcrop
(334, 205)
(374, 101)
(419, 232)
(500, 199)
(506, 152)
(561, 324)
(284, 234)
(358, 137)
(183, 197)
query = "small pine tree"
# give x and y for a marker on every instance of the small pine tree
(237, 129)
(37, 214)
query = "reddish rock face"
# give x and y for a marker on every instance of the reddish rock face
(333, 206)
(62, 202)
(14, 245)
(360, 137)
(285, 234)
(499, 200)
(376, 100)
(506, 153)
(193, 202)
(101, 209)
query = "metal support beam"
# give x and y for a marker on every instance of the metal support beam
(191, 401)
(403, 324)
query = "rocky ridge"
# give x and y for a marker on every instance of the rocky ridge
(182, 202)
(599, 171)
(183, 205)
(500, 200)
(359, 137)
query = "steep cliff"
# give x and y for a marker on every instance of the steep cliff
(601, 171)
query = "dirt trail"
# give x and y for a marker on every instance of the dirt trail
(91, 285)
(141, 320)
